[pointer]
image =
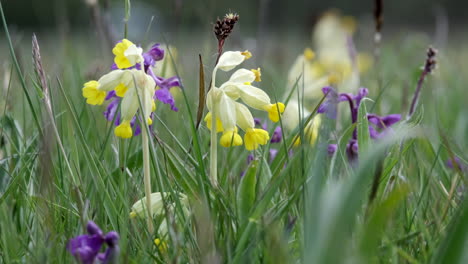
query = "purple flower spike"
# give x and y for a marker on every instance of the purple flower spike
(277, 135)
(85, 248)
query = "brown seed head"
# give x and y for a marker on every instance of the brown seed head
(430, 60)
(223, 27)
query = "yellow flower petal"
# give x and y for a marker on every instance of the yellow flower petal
(230, 138)
(219, 125)
(120, 59)
(274, 111)
(120, 90)
(255, 137)
(93, 95)
(124, 130)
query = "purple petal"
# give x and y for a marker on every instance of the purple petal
(329, 105)
(258, 121)
(332, 149)
(391, 119)
(277, 135)
(164, 96)
(273, 153)
(111, 109)
(363, 92)
(85, 247)
(93, 229)
(352, 150)
(250, 158)
(110, 95)
(154, 54)
(373, 133)
(112, 238)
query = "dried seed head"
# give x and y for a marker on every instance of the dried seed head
(223, 27)
(431, 60)
(38, 63)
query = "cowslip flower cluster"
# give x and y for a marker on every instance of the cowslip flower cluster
(86, 248)
(230, 114)
(131, 79)
(378, 125)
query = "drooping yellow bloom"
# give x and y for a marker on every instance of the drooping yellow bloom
(223, 102)
(254, 137)
(124, 130)
(274, 111)
(93, 95)
(127, 54)
(230, 138)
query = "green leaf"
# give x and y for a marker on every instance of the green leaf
(363, 128)
(453, 247)
(246, 191)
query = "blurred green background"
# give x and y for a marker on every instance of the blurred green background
(299, 14)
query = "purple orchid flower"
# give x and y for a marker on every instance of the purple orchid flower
(378, 128)
(86, 248)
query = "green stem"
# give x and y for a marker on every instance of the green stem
(214, 150)
(147, 176)
(146, 157)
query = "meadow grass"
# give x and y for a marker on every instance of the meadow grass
(303, 207)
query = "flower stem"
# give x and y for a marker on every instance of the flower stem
(147, 176)
(214, 150)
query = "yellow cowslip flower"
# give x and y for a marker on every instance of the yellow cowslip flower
(130, 84)
(93, 95)
(127, 54)
(223, 102)
(311, 131)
